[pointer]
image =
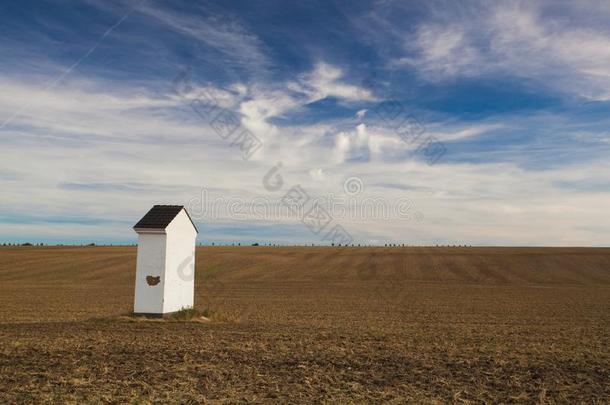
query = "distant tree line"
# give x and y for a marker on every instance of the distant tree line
(270, 244)
(237, 244)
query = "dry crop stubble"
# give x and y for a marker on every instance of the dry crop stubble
(304, 324)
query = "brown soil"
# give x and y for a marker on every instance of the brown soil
(307, 324)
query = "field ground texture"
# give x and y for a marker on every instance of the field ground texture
(312, 324)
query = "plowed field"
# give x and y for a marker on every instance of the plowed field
(312, 324)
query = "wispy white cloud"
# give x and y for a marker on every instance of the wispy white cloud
(148, 149)
(328, 81)
(515, 38)
(221, 32)
(442, 52)
(106, 149)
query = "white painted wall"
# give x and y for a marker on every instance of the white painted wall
(150, 262)
(180, 264)
(170, 255)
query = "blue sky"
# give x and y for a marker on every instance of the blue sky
(516, 95)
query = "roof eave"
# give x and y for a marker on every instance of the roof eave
(150, 230)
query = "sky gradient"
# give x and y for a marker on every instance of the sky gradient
(505, 107)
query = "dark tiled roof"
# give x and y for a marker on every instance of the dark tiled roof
(160, 216)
